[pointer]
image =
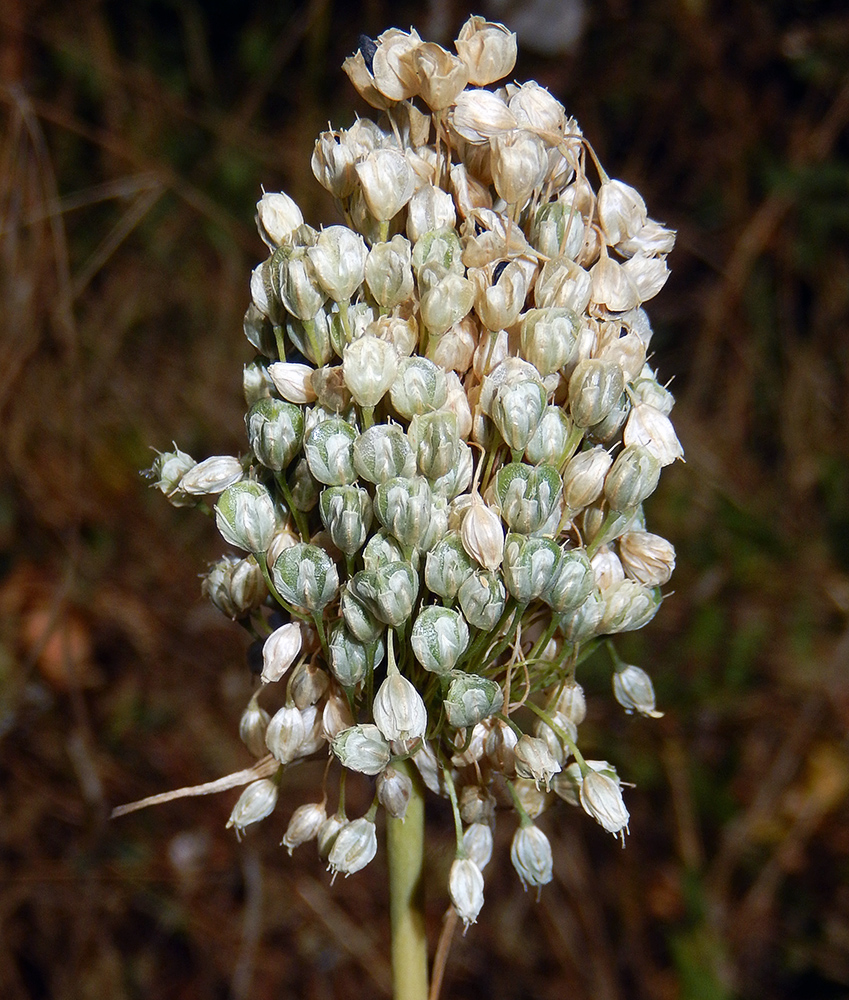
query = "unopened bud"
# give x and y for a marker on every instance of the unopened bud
(388, 273)
(362, 748)
(399, 711)
(394, 791)
(306, 576)
(465, 887)
(279, 651)
(245, 516)
(601, 798)
(482, 597)
(277, 217)
(354, 847)
(252, 727)
(255, 803)
(530, 853)
(387, 182)
(304, 825)
(286, 733)
(471, 699)
(439, 638)
(633, 477)
(633, 689)
(649, 559)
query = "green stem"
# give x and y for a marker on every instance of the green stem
(405, 845)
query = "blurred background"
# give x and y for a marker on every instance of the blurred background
(135, 140)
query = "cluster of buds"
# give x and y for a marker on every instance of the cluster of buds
(452, 429)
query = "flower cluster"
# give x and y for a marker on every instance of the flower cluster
(452, 429)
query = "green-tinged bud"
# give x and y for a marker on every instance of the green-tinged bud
(399, 711)
(471, 699)
(594, 389)
(212, 476)
(308, 685)
(259, 332)
(550, 440)
(403, 507)
(482, 534)
(332, 164)
(648, 390)
(358, 320)
(483, 598)
(446, 302)
(306, 576)
(517, 410)
(313, 338)
(601, 798)
(628, 606)
(430, 208)
(279, 651)
(549, 338)
(235, 586)
(649, 559)
(534, 760)
(370, 366)
(439, 638)
(346, 513)
(245, 516)
(292, 381)
(286, 734)
(327, 834)
(275, 432)
(527, 496)
(339, 260)
(557, 230)
(563, 284)
(583, 477)
(360, 621)
(508, 372)
(465, 887)
(621, 211)
(477, 843)
(436, 441)
(519, 165)
(488, 50)
(355, 845)
(572, 582)
(303, 486)
(550, 738)
(632, 478)
(530, 853)
(329, 449)
(388, 592)
(585, 621)
(500, 292)
(167, 470)
(362, 748)
(394, 791)
(458, 478)
(440, 251)
(277, 217)
(384, 452)
(421, 387)
(650, 428)
(607, 569)
(387, 182)
(633, 689)
(448, 565)
(388, 273)
(349, 655)
(299, 288)
(252, 727)
(572, 703)
(255, 803)
(304, 825)
(530, 564)
(383, 548)
(437, 527)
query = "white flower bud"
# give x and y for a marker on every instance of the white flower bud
(429, 208)
(439, 638)
(306, 576)
(355, 845)
(572, 703)
(300, 291)
(304, 825)
(471, 699)
(279, 651)
(477, 843)
(446, 302)
(252, 727)
(488, 50)
(563, 284)
(621, 211)
(465, 887)
(339, 259)
(399, 711)
(519, 165)
(389, 592)
(293, 381)
(333, 164)
(478, 115)
(601, 798)
(245, 516)
(387, 182)
(277, 217)
(534, 760)
(286, 733)
(255, 803)
(632, 478)
(594, 389)
(482, 534)
(527, 496)
(612, 286)
(329, 450)
(482, 597)
(370, 366)
(394, 790)
(653, 430)
(388, 272)
(649, 559)
(362, 748)
(447, 566)
(607, 569)
(530, 566)
(421, 387)
(530, 853)
(211, 476)
(633, 689)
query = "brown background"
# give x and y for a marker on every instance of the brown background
(135, 138)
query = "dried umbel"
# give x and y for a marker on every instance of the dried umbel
(451, 432)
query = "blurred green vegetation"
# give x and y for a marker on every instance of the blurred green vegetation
(135, 141)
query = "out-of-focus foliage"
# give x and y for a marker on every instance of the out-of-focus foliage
(135, 140)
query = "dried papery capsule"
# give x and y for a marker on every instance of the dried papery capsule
(286, 733)
(354, 847)
(471, 699)
(212, 476)
(653, 430)
(500, 290)
(633, 689)
(245, 516)
(389, 592)
(235, 586)
(448, 565)
(279, 651)
(482, 597)
(298, 286)
(621, 211)
(277, 217)
(534, 107)
(530, 853)
(339, 259)
(394, 791)
(532, 799)
(370, 366)
(563, 284)
(601, 798)
(388, 273)
(252, 727)
(305, 576)
(387, 182)
(649, 559)
(534, 760)
(439, 638)
(647, 274)
(403, 507)
(650, 240)
(482, 534)
(308, 685)
(632, 478)
(293, 381)
(479, 115)
(477, 805)
(488, 50)
(500, 744)
(347, 514)
(255, 803)
(332, 164)
(470, 745)
(465, 887)
(519, 164)
(446, 301)
(530, 565)
(550, 442)
(362, 748)
(304, 825)
(628, 606)
(430, 208)
(275, 432)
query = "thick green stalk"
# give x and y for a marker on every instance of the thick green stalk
(405, 843)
